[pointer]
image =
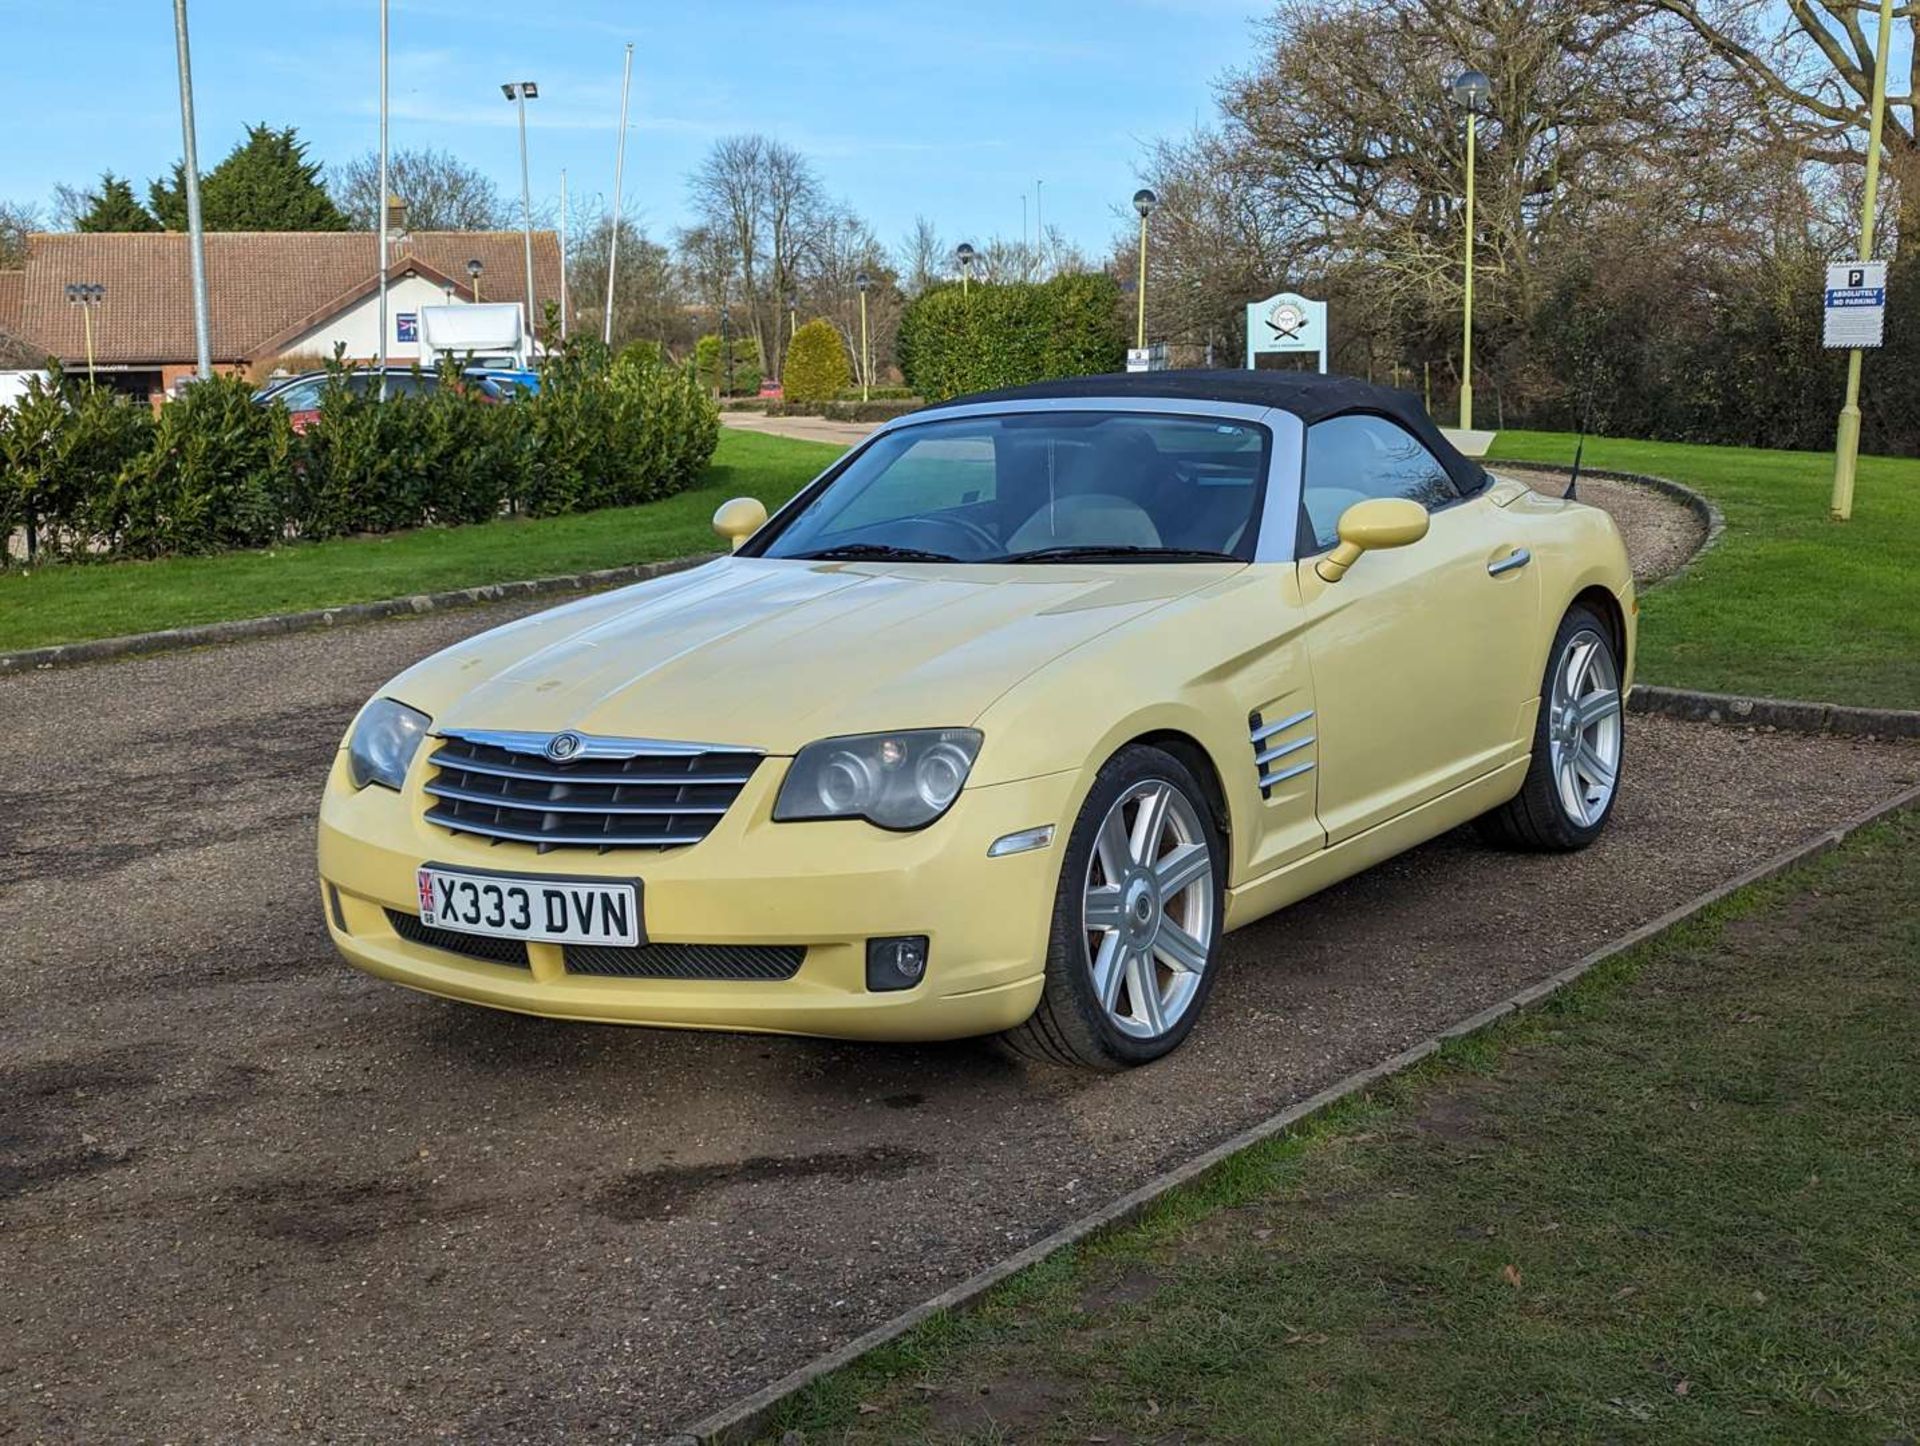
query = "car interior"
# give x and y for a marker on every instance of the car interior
(1005, 486)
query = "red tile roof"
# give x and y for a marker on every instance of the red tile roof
(261, 285)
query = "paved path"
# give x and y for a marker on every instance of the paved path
(247, 1193)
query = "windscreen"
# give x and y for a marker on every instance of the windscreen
(1043, 486)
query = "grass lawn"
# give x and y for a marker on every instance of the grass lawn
(65, 603)
(1788, 604)
(1679, 1203)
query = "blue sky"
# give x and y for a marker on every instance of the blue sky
(950, 110)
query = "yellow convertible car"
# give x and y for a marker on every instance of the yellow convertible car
(997, 727)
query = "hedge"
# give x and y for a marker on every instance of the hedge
(93, 475)
(954, 340)
(853, 411)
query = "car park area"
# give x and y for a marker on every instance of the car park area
(246, 1191)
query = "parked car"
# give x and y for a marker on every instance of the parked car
(301, 395)
(998, 726)
(506, 383)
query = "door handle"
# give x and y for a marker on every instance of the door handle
(1514, 560)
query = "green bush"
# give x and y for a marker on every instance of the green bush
(709, 361)
(877, 394)
(955, 340)
(853, 411)
(816, 367)
(211, 480)
(63, 446)
(98, 477)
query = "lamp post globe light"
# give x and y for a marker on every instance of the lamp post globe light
(1144, 201)
(964, 254)
(86, 296)
(474, 268)
(520, 92)
(861, 282)
(1469, 90)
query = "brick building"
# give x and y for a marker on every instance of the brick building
(270, 294)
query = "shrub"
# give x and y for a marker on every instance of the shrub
(853, 411)
(211, 480)
(609, 436)
(955, 340)
(711, 364)
(816, 366)
(63, 445)
(97, 476)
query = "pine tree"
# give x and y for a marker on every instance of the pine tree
(113, 208)
(266, 183)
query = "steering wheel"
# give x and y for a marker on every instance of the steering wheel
(984, 540)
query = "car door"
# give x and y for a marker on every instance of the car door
(1421, 655)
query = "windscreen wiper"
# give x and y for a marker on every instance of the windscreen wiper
(1099, 552)
(873, 551)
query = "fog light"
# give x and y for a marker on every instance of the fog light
(898, 963)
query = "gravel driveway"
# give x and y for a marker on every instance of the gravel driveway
(249, 1194)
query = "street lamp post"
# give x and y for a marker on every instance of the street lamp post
(863, 281)
(1469, 91)
(86, 296)
(726, 345)
(1143, 201)
(474, 268)
(1846, 452)
(964, 254)
(522, 91)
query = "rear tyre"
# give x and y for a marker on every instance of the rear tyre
(1136, 919)
(1578, 743)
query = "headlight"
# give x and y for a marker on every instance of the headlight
(385, 737)
(895, 780)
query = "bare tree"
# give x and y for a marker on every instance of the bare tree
(18, 220)
(441, 192)
(650, 300)
(924, 258)
(705, 260)
(763, 197)
(840, 247)
(1808, 66)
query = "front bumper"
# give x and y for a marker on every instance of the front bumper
(827, 885)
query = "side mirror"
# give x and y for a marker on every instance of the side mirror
(1377, 522)
(740, 519)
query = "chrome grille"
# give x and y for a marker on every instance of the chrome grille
(578, 791)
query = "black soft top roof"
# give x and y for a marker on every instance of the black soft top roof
(1310, 396)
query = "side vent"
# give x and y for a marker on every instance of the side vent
(1276, 742)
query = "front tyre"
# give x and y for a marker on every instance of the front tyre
(1136, 920)
(1578, 742)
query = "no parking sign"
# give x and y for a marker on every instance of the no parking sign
(1856, 304)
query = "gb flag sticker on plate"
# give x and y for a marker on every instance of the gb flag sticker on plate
(544, 910)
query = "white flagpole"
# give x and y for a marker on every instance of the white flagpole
(619, 175)
(380, 209)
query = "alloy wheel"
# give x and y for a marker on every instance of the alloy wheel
(1583, 728)
(1148, 910)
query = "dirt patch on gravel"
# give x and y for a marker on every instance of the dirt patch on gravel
(257, 1196)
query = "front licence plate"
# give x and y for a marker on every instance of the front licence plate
(555, 911)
